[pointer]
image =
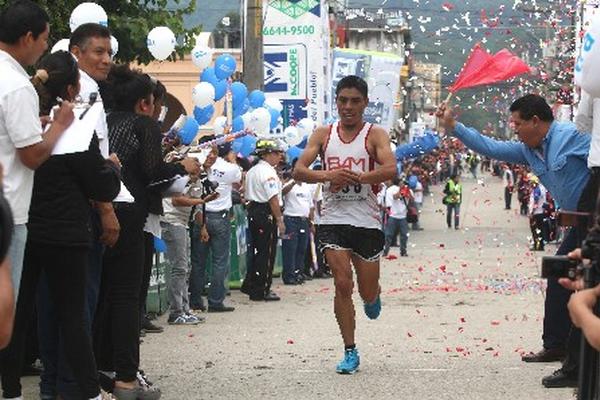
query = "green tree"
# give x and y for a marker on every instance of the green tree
(129, 21)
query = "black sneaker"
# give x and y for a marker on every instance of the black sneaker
(149, 327)
(220, 308)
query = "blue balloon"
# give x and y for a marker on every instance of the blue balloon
(239, 92)
(412, 181)
(159, 245)
(242, 109)
(248, 145)
(237, 124)
(293, 153)
(203, 115)
(208, 75)
(257, 98)
(220, 89)
(236, 145)
(188, 132)
(224, 66)
(274, 117)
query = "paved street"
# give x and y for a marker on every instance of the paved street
(457, 314)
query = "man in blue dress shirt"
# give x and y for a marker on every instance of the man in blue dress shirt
(557, 153)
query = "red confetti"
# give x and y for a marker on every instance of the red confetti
(495, 323)
(443, 268)
(409, 334)
(290, 341)
(462, 319)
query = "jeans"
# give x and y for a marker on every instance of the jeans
(294, 247)
(219, 245)
(65, 272)
(16, 253)
(449, 208)
(507, 197)
(392, 227)
(177, 239)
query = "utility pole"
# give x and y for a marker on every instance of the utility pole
(254, 76)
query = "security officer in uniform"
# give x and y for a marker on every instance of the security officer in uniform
(263, 193)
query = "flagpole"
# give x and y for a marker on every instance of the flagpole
(448, 98)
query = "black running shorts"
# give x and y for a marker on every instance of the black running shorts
(364, 242)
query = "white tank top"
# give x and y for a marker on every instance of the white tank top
(354, 205)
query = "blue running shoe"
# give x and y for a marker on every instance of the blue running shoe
(374, 309)
(350, 363)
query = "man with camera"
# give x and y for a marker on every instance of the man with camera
(557, 153)
(215, 232)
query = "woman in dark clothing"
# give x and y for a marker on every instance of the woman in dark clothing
(59, 236)
(134, 137)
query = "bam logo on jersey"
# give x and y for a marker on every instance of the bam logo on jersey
(285, 71)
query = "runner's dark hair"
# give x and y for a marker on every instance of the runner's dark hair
(353, 82)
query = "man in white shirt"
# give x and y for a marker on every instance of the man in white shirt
(262, 189)
(216, 231)
(509, 185)
(396, 223)
(24, 33)
(298, 206)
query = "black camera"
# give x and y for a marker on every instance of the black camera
(203, 187)
(561, 267)
(6, 226)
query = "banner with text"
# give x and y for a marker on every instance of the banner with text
(382, 73)
(296, 51)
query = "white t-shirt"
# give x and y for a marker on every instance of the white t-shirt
(507, 178)
(397, 206)
(588, 121)
(418, 193)
(298, 201)
(20, 127)
(262, 183)
(537, 207)
(89, 86)
(225, 174)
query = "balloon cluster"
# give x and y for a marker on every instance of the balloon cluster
(86, 13)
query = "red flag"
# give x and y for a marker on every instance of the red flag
(478, 57)
(502, 66)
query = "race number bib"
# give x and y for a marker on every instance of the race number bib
(348, 193)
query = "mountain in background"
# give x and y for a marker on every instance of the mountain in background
(444, 32)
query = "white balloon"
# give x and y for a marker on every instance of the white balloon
(292, 135)
(586, 66)
(62, 44)
(161, 42)
(87, 13)
(114, 45)
(202, 56)
(203, 94)
(262, 119)
(248, 121)
(219, 125)
(306, 126)
(274, 104)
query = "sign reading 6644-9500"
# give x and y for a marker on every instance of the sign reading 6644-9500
(289, 30)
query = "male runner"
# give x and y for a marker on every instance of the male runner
(350, 229)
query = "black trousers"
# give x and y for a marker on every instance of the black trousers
(263, 236)
(557, 323)
(538, 228)
(507, 197)
(117, 323)
(65, 270)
